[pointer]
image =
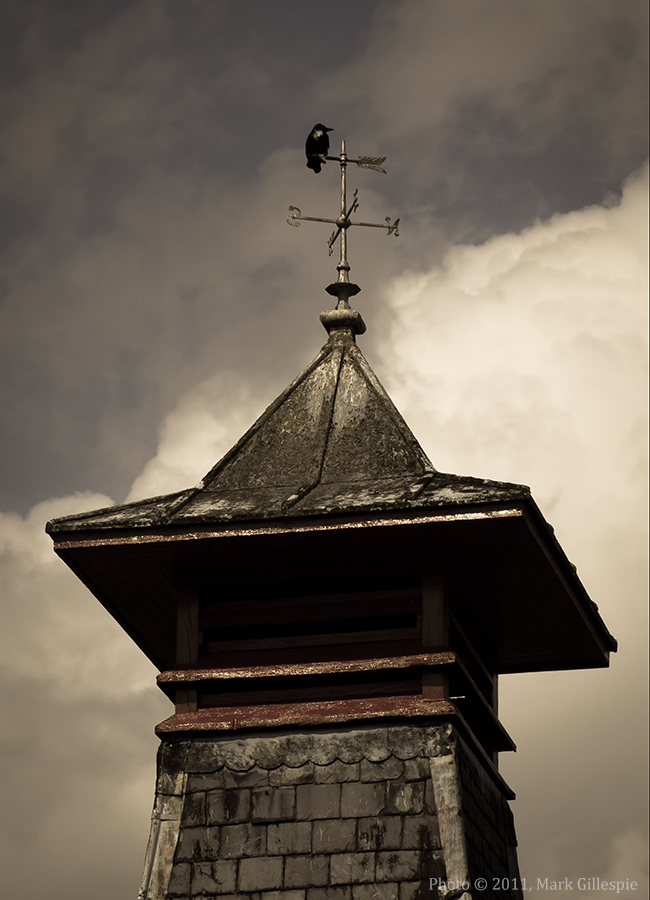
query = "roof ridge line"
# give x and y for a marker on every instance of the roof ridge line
(325, 350)
(324, 416)
(145, 501)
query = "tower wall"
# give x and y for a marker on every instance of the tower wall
(351, 813)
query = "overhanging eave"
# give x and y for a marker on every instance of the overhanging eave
(544, 617)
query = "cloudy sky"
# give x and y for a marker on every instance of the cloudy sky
(154, 301)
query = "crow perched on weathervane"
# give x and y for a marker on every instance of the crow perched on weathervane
(317, 149)
(317, 146)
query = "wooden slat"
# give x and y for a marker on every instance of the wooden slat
(328, 667)
(226, 615)
(290, 599)
(313, 640)
(187, 629)
(328, 692)
(292, 655)
(282, 714)
(435, 609)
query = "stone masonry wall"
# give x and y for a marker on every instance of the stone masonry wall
(346, 814)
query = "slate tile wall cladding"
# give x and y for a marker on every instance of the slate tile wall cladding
(489, 831)
(345, 814)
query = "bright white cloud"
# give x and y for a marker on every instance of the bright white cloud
(524, 359)
(78, 768)
(52, 630)
(196, 434)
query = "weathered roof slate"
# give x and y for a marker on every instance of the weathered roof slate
(332, 442)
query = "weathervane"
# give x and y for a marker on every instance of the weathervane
(316, 148)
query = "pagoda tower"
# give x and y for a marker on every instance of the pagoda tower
(330, 615)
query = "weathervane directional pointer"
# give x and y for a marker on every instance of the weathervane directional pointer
(343, 288)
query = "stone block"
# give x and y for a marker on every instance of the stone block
(292, 775)
(172, 757)
(334, 835)
(330, 893)
(349, 745)
(288, 838)
(328, 746)
(379, 833)
(203, 881)
(208, 782)
(415, 890)
(401, 865)
(242, 840)
(420, 833)
(262, 873)
(433, 864)
(374, 743)
(417, 768)
(362, 799)
(275, 750)
(171, 769)
(318, 801)
(429, 798)
(336, 772)
(197, 844)
(238, 756)
(179, 883)
(194, 809)
(306, 871)
(381, 771)
(410, 865)
(228, 807)
(407, 741)
(273, 804)
(405, 799)
(352, 868)
(170, 784)
(254, 777)
(219, 877)
(283, 895)
(375, 892)
(202, 757)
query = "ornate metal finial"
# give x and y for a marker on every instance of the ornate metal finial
(343, 288)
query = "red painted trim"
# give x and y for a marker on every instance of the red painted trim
(418, 660)
(233, 718)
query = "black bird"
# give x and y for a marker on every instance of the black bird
(317, 145)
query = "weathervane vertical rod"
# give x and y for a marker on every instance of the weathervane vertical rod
(343, 265)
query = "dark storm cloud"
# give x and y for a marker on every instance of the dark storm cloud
(106, 305)
(501, 112)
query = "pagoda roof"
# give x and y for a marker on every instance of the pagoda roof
(333, 442)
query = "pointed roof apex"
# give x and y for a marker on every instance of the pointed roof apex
(334, 433)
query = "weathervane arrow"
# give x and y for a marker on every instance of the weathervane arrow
(367, 162)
